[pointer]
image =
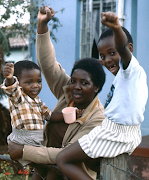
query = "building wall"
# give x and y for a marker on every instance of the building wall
(16, 55)
(142, 49)
(67, 48)
(136, 21)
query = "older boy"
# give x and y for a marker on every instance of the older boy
(120, 131)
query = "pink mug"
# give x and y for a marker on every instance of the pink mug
(69, 114)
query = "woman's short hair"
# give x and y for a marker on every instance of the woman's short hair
(94, 68)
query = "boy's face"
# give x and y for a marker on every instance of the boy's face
(82, 88)
(30, 81)
(109, 56)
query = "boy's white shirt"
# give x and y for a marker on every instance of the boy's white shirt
(130, 95)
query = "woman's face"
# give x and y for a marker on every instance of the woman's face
(82, 88)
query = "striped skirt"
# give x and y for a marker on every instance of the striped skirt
(110, 139)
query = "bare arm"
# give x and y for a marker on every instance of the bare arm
(8, 71)
(110, 19)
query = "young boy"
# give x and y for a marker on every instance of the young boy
(120, 131)
(27, 111)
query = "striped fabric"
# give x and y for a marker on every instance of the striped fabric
(110, 140)
(26, 137)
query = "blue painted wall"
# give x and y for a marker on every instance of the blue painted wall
(143, 49)
(136, 21)
(67, 48)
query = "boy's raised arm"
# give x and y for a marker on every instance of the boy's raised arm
(8, 71)
(110, 19)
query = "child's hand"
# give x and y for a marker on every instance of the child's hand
(45, 14)
(8, 70)
(110, 19)
(79, 113)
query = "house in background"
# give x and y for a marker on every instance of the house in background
(18, 51)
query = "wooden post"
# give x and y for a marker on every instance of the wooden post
(114, 168)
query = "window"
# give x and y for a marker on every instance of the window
(91, 28)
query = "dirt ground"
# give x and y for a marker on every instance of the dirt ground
(3, 149)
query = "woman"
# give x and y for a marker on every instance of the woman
(80, 90)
